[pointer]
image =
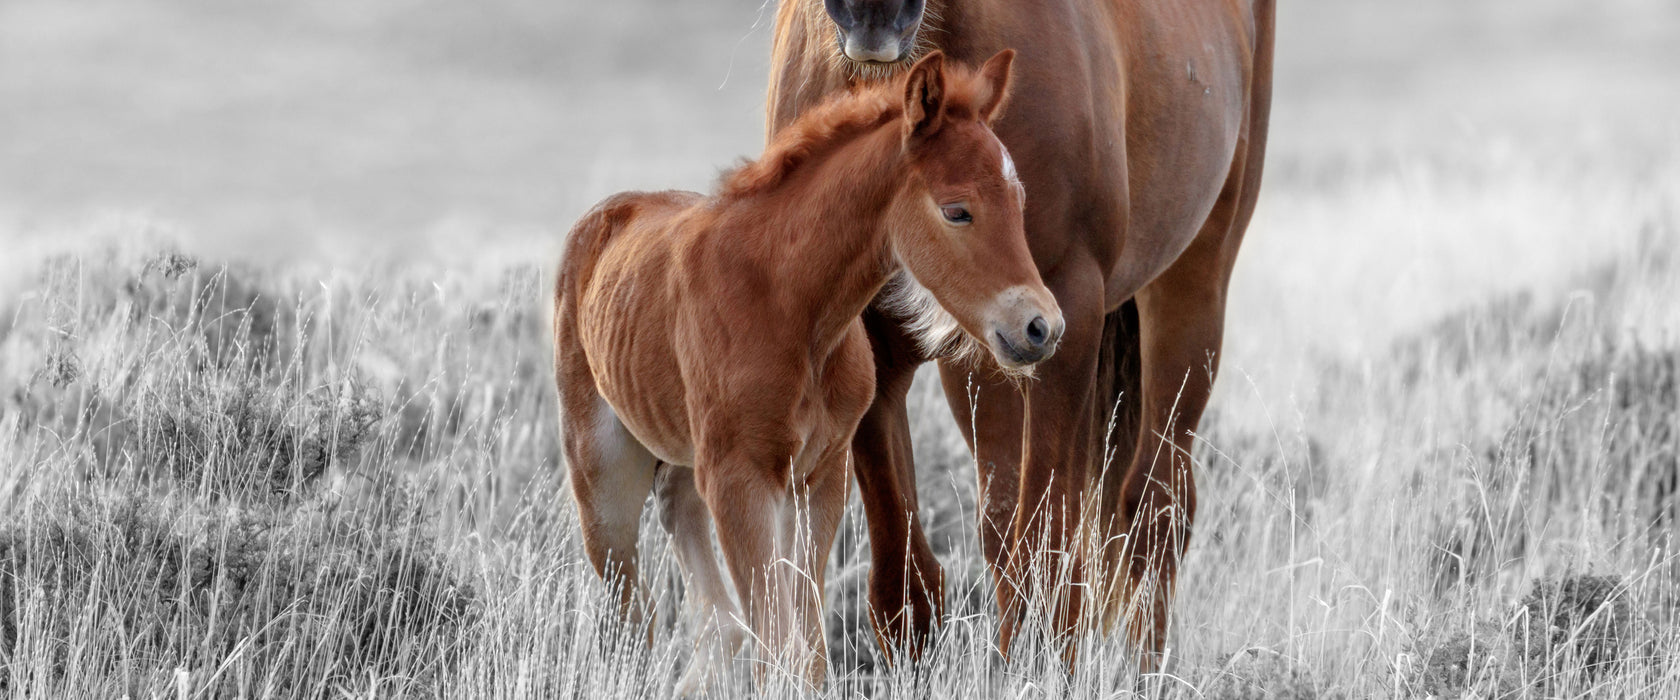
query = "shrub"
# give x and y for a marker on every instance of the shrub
(1571, 622)
(229, 434)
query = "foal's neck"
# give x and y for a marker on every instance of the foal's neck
(831, 250)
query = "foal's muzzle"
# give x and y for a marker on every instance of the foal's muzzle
(1025, 327)
(1033, 345)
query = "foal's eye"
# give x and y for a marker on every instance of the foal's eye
(956, 214)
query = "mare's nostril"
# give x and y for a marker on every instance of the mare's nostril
(1038, 331)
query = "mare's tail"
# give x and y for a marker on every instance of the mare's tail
(1119, 412)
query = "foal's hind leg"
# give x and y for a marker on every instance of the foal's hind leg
(611, 476)
(683, 514)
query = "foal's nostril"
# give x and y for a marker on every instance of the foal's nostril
(1038, 331)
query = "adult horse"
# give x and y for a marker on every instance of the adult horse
(1138, 128)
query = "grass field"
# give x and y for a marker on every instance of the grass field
(1444, 457)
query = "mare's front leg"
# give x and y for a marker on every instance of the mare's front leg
(989, 411)
(1046, 567)
(906, 582)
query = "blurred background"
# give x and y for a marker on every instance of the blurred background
(1416, 146)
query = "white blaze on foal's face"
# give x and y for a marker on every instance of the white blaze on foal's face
(1010, 176)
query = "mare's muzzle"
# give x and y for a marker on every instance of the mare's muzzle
(876, 31)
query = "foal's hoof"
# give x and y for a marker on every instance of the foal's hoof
(694, 679)
(713, 658)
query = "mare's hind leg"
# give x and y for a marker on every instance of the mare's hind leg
(611, 475)
(1182, 314)
(1182, 323)
(683, 514)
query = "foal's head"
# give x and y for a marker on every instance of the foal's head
(956, 224)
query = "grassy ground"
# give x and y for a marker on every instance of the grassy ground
(1443, 459)
(224, 480)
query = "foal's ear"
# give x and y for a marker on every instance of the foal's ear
(994, 76)
(924, 96)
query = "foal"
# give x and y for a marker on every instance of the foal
(722, 333)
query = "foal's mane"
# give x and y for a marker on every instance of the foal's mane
(836, 122)
(813, 135)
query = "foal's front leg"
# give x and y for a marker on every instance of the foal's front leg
(814, 516)
(749, 495)
(745, 498)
